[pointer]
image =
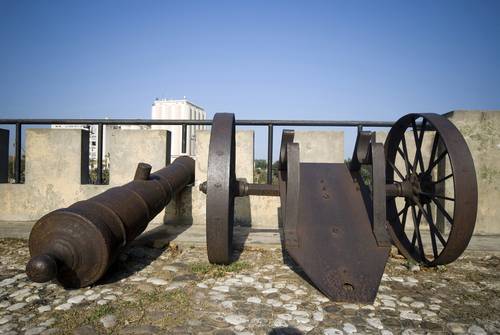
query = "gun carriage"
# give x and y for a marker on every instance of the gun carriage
(339, 228)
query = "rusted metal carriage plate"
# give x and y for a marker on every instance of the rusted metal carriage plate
(336, 246)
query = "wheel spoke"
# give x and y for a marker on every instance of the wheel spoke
(443, 179)
(435, 143)
(404, 211)
(415, 137)
(396, 169)
(442, 210)
(441, 156)
(401, 153)
(405, 214)
(419, 138)
(433, 229)
(443, 197)
(405, 155)
(416, 222)
(433, 195)
(414, 239)
(433, 237)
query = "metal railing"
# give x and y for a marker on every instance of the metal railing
(270, 124)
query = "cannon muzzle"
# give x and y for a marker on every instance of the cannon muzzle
(77, 244)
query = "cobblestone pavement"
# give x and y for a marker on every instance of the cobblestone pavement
(172, 290)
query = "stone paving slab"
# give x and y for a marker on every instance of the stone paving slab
(158, 288)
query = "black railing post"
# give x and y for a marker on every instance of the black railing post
(17, 165)
(99, 153)
(168, 153)
(184, 135)
(270, 154)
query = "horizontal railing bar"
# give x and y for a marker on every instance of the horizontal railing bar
(139, 122)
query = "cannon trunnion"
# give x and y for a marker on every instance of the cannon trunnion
(77, 244)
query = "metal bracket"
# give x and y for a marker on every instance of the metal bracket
(379, 216)
(368, 152)
(362, 152)
(292, 196)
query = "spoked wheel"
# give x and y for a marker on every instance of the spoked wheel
(433, 216)
(220, 189)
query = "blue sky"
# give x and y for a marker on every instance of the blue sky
(373, 60)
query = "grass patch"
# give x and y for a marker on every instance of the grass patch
(100, 311)
(177, 308)
(147, 299)
(216, 270)
(67, 321)
(174, 306)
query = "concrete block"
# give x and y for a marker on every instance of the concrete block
(126, 148)
(244, 154)
(265, 212)
(481, 130)
(56, 165)
(56, 156)
(4, 155)
(320, 146)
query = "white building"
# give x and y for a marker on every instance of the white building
(166, 109)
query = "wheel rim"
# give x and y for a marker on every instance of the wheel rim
(427, 192)
(220, 189)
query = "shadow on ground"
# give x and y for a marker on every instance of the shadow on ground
(142, 252)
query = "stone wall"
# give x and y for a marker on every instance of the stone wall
(57, 169)
(56, 173)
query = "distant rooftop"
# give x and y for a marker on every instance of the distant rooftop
(184, 100)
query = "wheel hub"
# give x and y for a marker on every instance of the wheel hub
(426, 188)
(418, 188)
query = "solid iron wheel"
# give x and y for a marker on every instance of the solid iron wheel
(425, 178)
(220, 189)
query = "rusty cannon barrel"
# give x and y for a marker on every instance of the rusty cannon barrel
(77, 244)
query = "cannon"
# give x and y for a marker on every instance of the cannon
(77, 244)
(339, 225)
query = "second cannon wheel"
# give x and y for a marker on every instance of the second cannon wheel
(220, 189)
(433, 221)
